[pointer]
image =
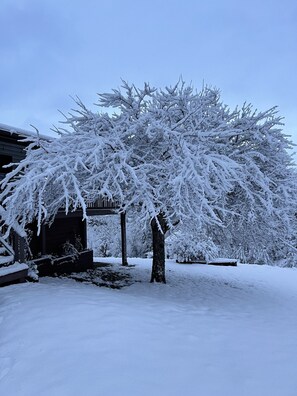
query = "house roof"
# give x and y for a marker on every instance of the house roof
(23, 132)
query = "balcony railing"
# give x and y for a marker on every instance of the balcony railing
(103, 203)
(100, 206)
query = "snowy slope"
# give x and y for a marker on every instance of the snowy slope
(225, 331)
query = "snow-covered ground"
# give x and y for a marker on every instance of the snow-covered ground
(226, 331)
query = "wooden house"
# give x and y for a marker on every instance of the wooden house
(51, 250)
(11, 148)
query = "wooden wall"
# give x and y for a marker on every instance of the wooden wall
(10, 147)
(52, 239)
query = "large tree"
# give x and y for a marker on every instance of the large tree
(174, 155)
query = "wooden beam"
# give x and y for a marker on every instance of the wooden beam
(90, 212)
(124, 239)
(14, 277)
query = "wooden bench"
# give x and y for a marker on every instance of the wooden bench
(223, 262)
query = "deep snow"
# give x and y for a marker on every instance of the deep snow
(226, 331)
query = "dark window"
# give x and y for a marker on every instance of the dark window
(5, 160)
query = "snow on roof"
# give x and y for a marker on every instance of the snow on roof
(23, 132)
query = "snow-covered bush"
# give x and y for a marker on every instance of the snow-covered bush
(68, 249)
(33, 273)
(188, 244)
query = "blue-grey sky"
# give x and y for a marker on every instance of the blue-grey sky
(53, 49)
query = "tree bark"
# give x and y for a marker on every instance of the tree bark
(158, 268)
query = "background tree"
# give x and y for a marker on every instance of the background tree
(104, 236)
(173, 155)
(105, 240)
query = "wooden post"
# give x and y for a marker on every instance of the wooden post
(43, 239)
(124, 239)
(19, 248)
(84, 240)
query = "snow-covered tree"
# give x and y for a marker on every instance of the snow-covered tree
(139, 239)
(261, 223)
(173, 155)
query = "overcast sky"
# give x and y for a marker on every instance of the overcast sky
(53, 49)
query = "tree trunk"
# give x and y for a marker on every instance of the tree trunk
(158, 268)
